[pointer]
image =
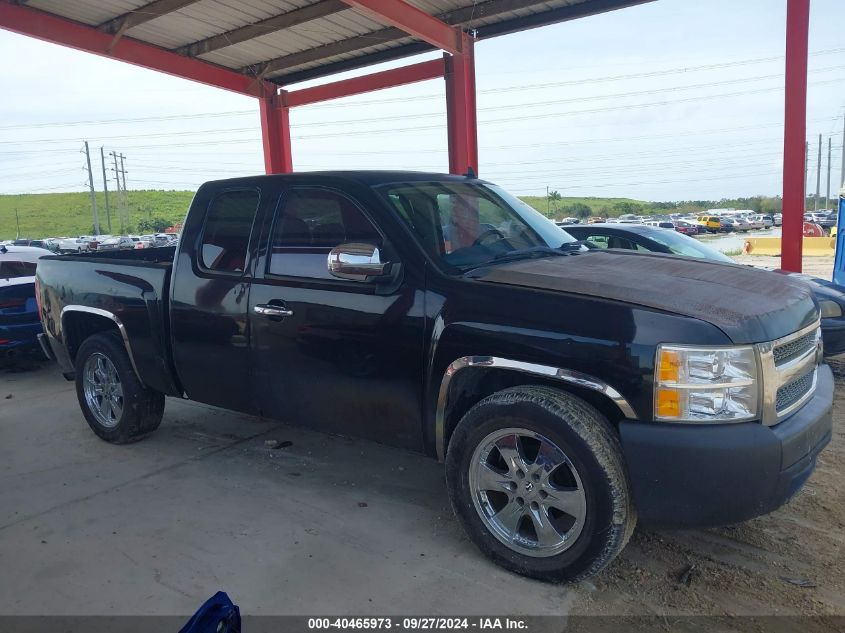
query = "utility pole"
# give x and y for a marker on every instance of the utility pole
(548, 203)
(806, 173)
(17, 225)
(93, 195)
(123, 174)
(829, 155)
(121, 188)
(818, 177)
(105, 187)
(842, 166)
(119, 194)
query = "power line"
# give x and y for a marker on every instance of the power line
(522, 87)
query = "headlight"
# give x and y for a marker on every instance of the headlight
(830, 309)
(715, 384)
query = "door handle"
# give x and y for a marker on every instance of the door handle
(272, 311)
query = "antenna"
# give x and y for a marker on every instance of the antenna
(470, 173)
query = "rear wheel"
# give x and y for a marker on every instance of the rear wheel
(117, 407)
(536, 478)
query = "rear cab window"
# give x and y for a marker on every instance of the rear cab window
(16, 269)
(228, 225)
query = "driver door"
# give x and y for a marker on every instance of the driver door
(337, 355)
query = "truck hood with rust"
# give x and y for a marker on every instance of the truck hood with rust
(750, 305)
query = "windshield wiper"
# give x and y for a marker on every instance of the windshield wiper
(533, 252)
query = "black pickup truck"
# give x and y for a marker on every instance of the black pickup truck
(570, 392)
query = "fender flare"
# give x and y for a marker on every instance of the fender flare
(568, 376)
(112, 317)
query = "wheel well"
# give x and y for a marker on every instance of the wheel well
(471, 385)
(78, 326)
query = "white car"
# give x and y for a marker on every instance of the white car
(741, 224)
(754, 222)
(73, 245)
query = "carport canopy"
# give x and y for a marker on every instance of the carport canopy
(259, 47)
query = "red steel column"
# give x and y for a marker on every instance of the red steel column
(461, 109)
(794, 133)
(275, 131)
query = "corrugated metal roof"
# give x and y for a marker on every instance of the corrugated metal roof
(339, 37)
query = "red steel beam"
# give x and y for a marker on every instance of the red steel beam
(368, 83)
(461, 110)
(45, 26)
(275, 130)
(794, 133)
(413, 21)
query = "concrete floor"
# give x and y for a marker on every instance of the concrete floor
(330, 525)
(326, 525)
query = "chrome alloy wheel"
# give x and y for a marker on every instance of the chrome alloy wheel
(103, 389)
(527, 492)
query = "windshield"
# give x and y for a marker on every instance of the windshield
(682, 245)
(468, 224)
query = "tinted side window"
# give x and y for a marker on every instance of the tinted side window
(598, 240)
(311, 222)
(619, 242)
(225, 239)
(12, 270)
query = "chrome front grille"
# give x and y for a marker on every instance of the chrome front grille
(795, 348)
(789, 369)
(792, 392)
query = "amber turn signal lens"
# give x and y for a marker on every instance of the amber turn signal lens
(668, 403)
(669, 369)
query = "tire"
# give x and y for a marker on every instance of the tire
(595, 467)
(132, 411)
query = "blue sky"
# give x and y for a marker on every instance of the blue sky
(670, 100)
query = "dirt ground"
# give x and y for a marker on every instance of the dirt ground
(813, 266)
(330, 525)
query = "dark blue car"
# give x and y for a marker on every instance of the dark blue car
(19, 323)
(831, 298)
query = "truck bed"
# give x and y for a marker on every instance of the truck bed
(129, 288)
(160, 256)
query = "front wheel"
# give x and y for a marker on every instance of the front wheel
(536, 478)
(117, 407)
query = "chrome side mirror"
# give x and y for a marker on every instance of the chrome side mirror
(357, 261)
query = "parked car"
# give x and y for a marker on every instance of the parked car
(52, 244)
(830, 297)
(709, 223)
(660, 224)
(762, 221)
(741, 225)
(116, 243)
(726, 225)
(73, 245)
(778, 219)
(817, 217)
(828, 221)
(19, 322)
(552, 379)
(685, 227)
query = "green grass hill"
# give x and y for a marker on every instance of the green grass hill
(69, 214)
